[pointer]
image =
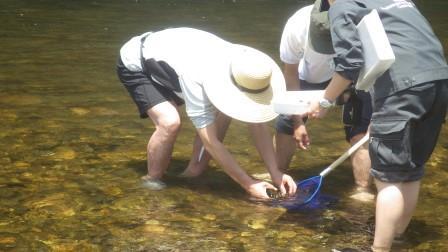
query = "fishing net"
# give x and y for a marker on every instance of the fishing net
(308, 196)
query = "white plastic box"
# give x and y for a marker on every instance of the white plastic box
(295, 102)
(377, 52)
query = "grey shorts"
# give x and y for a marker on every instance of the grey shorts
(356, 114)
(404, 131)
(143, 90)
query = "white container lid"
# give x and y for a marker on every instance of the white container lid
(295, 102)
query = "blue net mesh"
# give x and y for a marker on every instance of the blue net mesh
(308, 196)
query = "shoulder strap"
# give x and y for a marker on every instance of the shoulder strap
(163, 74)
(142, 60)
(159, 71)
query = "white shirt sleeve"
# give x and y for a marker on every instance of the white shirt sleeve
(198, 107)
(294, 37)
(130, 53)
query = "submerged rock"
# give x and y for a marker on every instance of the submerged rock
(286, 234)
(79, 111)
(64, 153)
(8, 240)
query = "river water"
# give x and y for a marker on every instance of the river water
(72, 148)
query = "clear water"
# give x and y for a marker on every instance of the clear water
(72, 148)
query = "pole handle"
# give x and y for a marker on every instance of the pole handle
(344, 156)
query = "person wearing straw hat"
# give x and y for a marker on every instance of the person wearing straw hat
(308, 68)
(409, 103)
(216, 80)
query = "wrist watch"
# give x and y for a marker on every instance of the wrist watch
(325, 103)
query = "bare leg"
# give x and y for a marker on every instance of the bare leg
(410, 192)
(395, 205)
(199, 161)
(160, 145)
(360, 161)
(285, 147)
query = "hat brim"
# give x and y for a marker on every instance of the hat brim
(238, 104)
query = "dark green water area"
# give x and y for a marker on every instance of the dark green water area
(72, 148)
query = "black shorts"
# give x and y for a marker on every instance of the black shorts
(144, 91)
(404, 131)
(357, 112)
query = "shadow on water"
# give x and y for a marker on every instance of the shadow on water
(212, 181)
(72, 148)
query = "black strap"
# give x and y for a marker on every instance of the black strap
(142, 60)
(163, 74)
(159, 71)
(247, 90)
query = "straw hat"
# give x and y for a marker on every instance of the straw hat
(243, 87)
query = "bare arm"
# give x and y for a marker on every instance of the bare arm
(291, 76)
(291, 72)
(219, 152)
(337, 85)
(200, 158)
(263, 142)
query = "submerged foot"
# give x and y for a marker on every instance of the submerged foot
(399, 239)
(363, 194)
(190, 173)
(152, 184)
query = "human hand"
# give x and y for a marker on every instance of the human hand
(286, 185)
(301, 136)
(315, 110)
(259, 188)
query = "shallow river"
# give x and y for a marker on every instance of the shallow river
(72, 148)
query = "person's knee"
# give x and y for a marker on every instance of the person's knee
(284, 125)
(356, 137)
(363, 151)
(170, 125)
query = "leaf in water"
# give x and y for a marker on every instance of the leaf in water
(211, 217)
(154, 229)
(257, 224)
(7, 240)
(64, 153)
(79, 111)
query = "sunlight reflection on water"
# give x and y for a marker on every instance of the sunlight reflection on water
(73, 148)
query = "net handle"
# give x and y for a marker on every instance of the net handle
(344, 156)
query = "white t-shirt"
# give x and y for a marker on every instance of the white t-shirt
(314, 67)
(192, 54)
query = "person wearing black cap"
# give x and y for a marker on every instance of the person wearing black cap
(409, 103)
(309, 68)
